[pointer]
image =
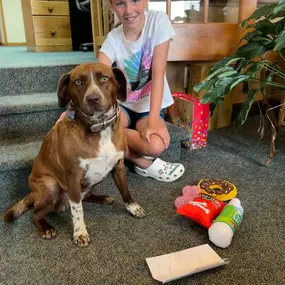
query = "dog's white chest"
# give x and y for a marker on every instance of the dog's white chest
(97, 168)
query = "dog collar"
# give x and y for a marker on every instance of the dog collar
(95, 124)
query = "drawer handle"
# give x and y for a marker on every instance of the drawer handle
(52, 32)
(50, 9)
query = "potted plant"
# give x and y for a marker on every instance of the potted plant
(264, 34)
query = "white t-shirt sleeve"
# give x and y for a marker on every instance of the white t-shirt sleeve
(164, 31)
(108, 47)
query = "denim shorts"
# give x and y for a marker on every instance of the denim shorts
(134, 117)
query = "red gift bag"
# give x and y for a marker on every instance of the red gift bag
(187, 112)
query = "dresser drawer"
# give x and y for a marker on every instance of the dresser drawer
(53, 31)
(49, 1)
(51, 8)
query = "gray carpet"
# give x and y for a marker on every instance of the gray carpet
(120, 243)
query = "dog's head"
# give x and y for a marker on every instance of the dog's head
(92, 87)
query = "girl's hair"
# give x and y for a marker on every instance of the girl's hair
(107, 5)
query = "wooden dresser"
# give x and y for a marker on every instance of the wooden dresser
(47, 25)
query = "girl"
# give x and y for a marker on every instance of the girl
(139, 46)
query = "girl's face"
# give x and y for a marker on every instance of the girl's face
(130, 12)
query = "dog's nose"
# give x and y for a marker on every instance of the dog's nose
(93, 99)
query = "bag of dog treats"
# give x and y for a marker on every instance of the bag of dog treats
(202, 210)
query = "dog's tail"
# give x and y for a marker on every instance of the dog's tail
(18, 209)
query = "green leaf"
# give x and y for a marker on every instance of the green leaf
(280, 42)
(252, 70)
(250, 35)
(227, 74)
(265, 26)
(239, 79)
(210, 97)
(243, 23)
(223, 62)
(213, 106)
(234, 59)
(246, 106)
(219, 90)
(224, 84)
(251, 50)
(241, 64)
(278, 11)
(219, 71)
(263, 11)
(204, 85)
(265, 63)
(281, 52)
(269, 77)
(264, 41)
(280, 25)
(211, 81)
(275, 84)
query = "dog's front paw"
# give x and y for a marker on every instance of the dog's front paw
(81, 239)
(108, 200)
(136, 210)
(48, 233)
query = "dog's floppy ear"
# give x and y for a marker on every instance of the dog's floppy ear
(122, 82)
(62, 90)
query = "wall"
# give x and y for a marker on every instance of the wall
(14, 21)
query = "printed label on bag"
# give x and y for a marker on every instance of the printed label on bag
(230, 216)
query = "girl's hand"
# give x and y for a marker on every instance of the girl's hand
(156, 128)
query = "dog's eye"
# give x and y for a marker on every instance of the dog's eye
(104, 79)
(78, 82)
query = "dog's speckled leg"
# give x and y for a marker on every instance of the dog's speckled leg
(80, 235)
(119, 176)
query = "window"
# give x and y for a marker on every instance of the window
(219, 11)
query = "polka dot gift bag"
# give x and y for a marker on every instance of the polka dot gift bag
(187, 112)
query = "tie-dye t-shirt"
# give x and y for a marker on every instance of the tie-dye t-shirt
(135, 59)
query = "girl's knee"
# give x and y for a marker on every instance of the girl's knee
(156, 146)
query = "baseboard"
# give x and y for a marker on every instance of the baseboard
(16, 44)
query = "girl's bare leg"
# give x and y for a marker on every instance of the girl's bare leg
(139, 146)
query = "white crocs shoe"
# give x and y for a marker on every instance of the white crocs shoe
(162, 171)
(148, 157)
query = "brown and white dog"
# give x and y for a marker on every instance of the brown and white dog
(77, 154)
